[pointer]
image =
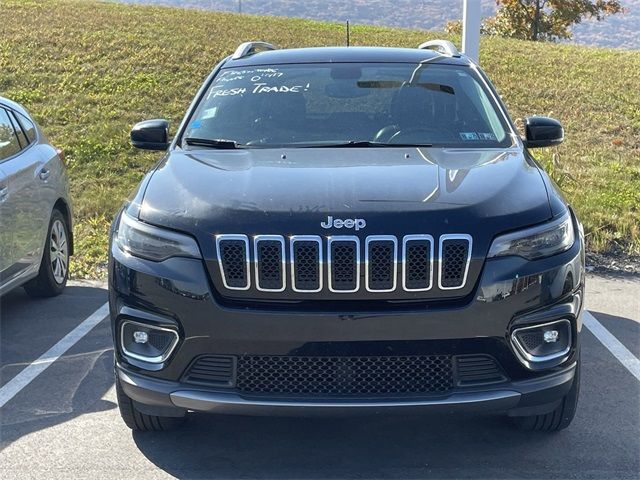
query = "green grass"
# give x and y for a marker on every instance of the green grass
(88, 71)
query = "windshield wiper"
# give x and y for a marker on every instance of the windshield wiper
(365, 144)
(211, 142)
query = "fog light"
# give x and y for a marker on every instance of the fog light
(147, 342)
(547, 343)
(143, 337)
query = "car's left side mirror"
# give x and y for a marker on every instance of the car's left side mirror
(543, 132)
(151, 135)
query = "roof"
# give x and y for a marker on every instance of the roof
(5, 102)
(344, 55)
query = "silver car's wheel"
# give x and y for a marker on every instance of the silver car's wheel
(54, 267)
(59, 251)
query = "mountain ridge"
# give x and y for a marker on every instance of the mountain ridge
(622, 30)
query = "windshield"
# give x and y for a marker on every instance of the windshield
(347, 104)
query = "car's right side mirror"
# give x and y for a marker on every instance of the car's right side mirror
(151, 135)
(543, 132)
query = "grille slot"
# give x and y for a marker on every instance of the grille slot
(344, 376)
(306, 263)
(270, 263)
(214, 370)
(381, 257)
(233, 258)
(344, 264)
(455, 254)
(478, 369)
(418, 262)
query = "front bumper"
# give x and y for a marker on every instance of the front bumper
(511, 292)
(533, 396)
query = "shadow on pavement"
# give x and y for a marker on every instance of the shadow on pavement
(269, 447)
(461, 446)
(74, 384)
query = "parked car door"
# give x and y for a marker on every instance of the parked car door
(23, 211)
(5, 231)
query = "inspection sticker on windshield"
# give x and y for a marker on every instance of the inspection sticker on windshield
(469, 136)
(477, 136)
(486, 136)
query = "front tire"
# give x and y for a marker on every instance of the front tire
(141, 422)
(558, 419)
(54, 267)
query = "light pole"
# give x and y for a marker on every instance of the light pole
(471, 18)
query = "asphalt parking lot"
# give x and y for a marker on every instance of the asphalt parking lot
(59, 418)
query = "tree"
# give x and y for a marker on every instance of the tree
(541, 19)
(546, 19)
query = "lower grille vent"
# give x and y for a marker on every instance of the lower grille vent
(373, 375)
(478, 369)
(212, 370)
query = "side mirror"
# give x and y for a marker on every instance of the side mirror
(151, 135)
(543, 132)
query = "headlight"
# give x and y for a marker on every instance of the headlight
(537, 242)
(153, 243)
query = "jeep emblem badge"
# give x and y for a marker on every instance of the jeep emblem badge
(356, 223)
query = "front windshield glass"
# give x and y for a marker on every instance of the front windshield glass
(334, 104)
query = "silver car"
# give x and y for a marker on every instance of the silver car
(35, 212)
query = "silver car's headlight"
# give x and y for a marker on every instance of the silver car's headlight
(146, 241)
(536, 242)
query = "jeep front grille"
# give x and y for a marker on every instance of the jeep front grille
(301, 266)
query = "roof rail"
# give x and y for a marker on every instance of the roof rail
(249, 48)
(444, 47)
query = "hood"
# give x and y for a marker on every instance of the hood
(396, 191)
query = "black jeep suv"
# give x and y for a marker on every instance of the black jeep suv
(346, 231)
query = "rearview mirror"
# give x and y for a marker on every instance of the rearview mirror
(151, 135)
(543, 132)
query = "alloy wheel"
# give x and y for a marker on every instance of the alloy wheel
(59, 251)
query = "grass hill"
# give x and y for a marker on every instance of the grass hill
(621, 30)
(88, 71)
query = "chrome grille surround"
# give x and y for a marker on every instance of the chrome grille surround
(463, 238)
(305, 258)
(405, 268)
(343, 239)
(292, 258)
(368, 262)
(257, 240)
(220, 240)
